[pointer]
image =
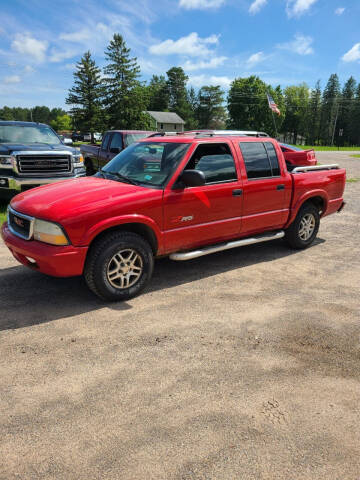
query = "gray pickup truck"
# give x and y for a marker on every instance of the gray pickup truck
(114, 141)
(31, 154)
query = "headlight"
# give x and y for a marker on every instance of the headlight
(7, 161)
(49, 232)
(78, 159)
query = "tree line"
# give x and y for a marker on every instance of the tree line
(115, 98)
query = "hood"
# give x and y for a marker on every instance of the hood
(8, 148)
(76, 198)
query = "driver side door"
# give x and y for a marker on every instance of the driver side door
(211, 213)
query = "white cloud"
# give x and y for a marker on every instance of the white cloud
(353, 54)
(201, 4)
(192, 45)
(255, 58)
(201, 65)
(296, 8)
(200, 80)
(60, 55)
(256, 6)
(29, 69)
(12, 79)
(300, 45)
(29, 46)
(339, 11)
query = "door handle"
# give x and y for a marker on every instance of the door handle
(280, 187)
(237, 193)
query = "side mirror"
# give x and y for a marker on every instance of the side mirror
(115, 150)
(191, 178)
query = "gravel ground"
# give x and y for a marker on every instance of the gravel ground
(240, 365)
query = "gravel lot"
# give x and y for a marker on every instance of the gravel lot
(241, 365)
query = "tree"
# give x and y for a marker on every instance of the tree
(248, 105)
(210, 110)
(158, 94)
(126, 98)
(61, 123)
(314, 112)
(329, 109)
(345, 118)
(297, 102)
(178, 95)
(86, 96)
(355, 119)
(41, 114)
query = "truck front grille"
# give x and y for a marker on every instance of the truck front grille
(21, 225)
(44, 164)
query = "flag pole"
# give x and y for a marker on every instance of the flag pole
(272, 113)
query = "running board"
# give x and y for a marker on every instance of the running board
(181, 256)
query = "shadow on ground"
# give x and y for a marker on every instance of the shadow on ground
(29, 298)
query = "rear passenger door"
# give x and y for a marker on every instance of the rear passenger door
(267, 187)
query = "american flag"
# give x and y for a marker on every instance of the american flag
(272, 104)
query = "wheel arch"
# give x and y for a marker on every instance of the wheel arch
(318, 198)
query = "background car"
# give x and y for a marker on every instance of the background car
(296, 157)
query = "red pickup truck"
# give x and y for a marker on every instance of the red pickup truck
(184, 196)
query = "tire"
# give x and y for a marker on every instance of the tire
(302, 232)
(119, 266)
(89, 168)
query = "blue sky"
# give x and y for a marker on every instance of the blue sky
(283, 41)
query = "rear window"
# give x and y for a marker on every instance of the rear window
(260, 159)
(130, 138)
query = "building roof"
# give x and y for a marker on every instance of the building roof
(166, 117)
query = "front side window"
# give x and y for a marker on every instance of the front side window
(260, 159)
(147, 163)
(28, 134)
(105, 141)
(215, 161)
(116, 141)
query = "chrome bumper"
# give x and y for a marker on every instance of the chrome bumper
(16, 183)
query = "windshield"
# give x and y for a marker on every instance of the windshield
(28, 134)
(147, 163)
(130, 138)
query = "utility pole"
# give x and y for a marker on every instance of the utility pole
(335, 122)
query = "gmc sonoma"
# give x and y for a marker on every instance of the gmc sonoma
(183, 196)
(31, 154)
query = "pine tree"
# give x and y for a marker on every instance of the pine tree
(178, 95)
(329, 109)
(158, 94)
(297, 103)
(126, 98)
(355, 119)
(314, 112)
(346, 103)
(86, 96)
(210, 111)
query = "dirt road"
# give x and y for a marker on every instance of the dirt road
(241, 365)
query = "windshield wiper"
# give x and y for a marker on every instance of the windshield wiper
(122, 178)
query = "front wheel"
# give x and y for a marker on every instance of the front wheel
(302, 232)
(119, 266)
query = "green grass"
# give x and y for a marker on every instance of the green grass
(355, 156)
(352, 180)
(3, 207)
(328, 149)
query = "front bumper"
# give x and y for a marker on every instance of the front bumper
(18, 184)
(67, 261)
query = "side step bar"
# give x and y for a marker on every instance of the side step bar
(181, 256)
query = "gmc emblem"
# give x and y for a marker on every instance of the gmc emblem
(19, 222)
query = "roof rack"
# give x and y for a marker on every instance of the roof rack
(213, 133)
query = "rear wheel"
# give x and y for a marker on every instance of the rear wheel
(119, 266)
(302, 232)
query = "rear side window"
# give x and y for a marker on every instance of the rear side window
(215, 161)
(260, 160)
(274, 162)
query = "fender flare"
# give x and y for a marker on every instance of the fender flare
(304, 198)
(108, 223)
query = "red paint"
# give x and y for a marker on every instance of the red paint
(179, 218)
